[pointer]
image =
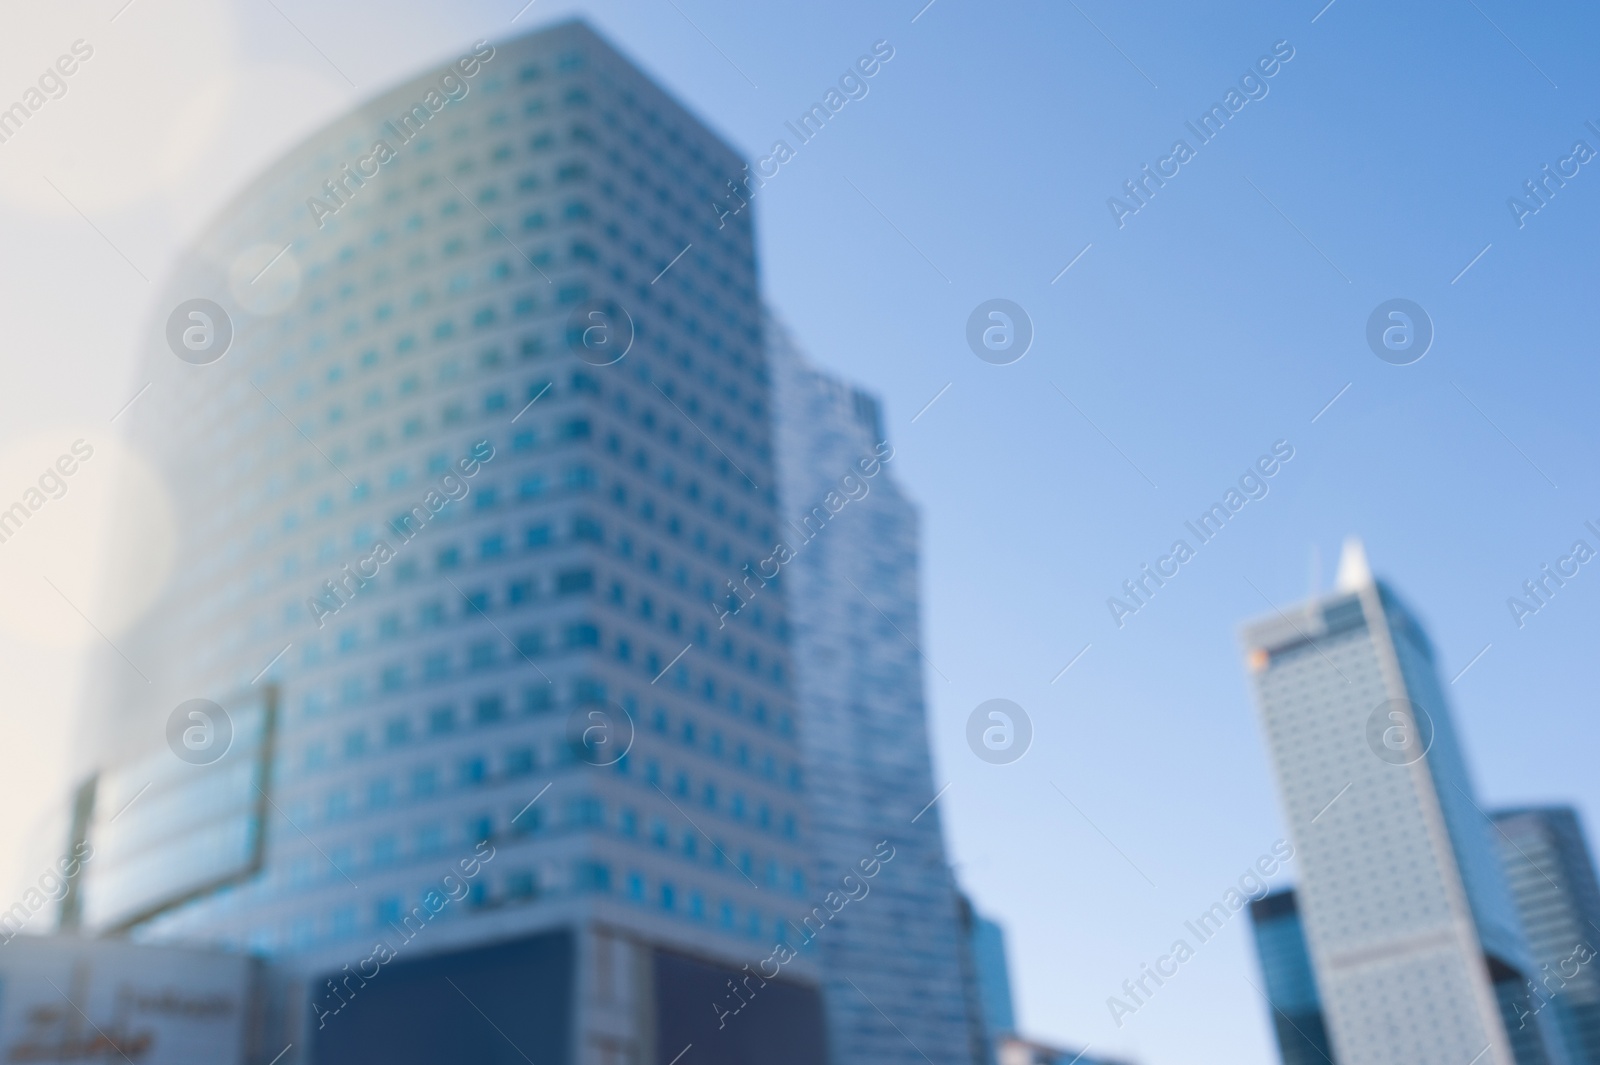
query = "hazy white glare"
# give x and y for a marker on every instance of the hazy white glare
(98, 549)
(140, 113)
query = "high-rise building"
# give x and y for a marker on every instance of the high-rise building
(893, 966)
(994, 976)
(1291, 986)
(1552, 878)
(1415, 942)
(474, 428)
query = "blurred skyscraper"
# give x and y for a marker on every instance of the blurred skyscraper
(1416, 944)
(994, 976)
(1291, 985)
(894, 967)
(1552, 878)
(493, 432)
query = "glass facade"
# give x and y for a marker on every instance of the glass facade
(994, 979)
(1552, 877)
(893, 958)
(1291, 985)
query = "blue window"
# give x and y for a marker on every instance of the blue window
(430, 839)
(594, 876)
(537, 699)
(582, 634)
(579, 478)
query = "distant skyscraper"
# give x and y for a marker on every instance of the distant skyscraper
(1413, 936)
(994, 978)
(1552, 878)
(1291, 985)
(895, 959)
(489, 440)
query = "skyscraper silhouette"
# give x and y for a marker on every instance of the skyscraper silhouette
(893, 967)
(1416, 944)
(1552, 878)
(1291, 985)
(492, 438)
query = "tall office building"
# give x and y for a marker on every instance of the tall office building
(1553, 880)
(1416, 945)
(1291, 986)
(894, 968)
(489, 440)
(994, 976)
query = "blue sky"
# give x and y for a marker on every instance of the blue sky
(1222, 317)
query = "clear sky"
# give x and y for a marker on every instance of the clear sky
(1218, 319)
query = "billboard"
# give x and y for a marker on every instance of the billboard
(65, 999)
(183, 819)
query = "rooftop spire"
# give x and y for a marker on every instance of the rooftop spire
(1354, 573)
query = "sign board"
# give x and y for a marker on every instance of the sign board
(65, 999)
(180, 821)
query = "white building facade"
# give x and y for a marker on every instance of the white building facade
(1416, 944)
